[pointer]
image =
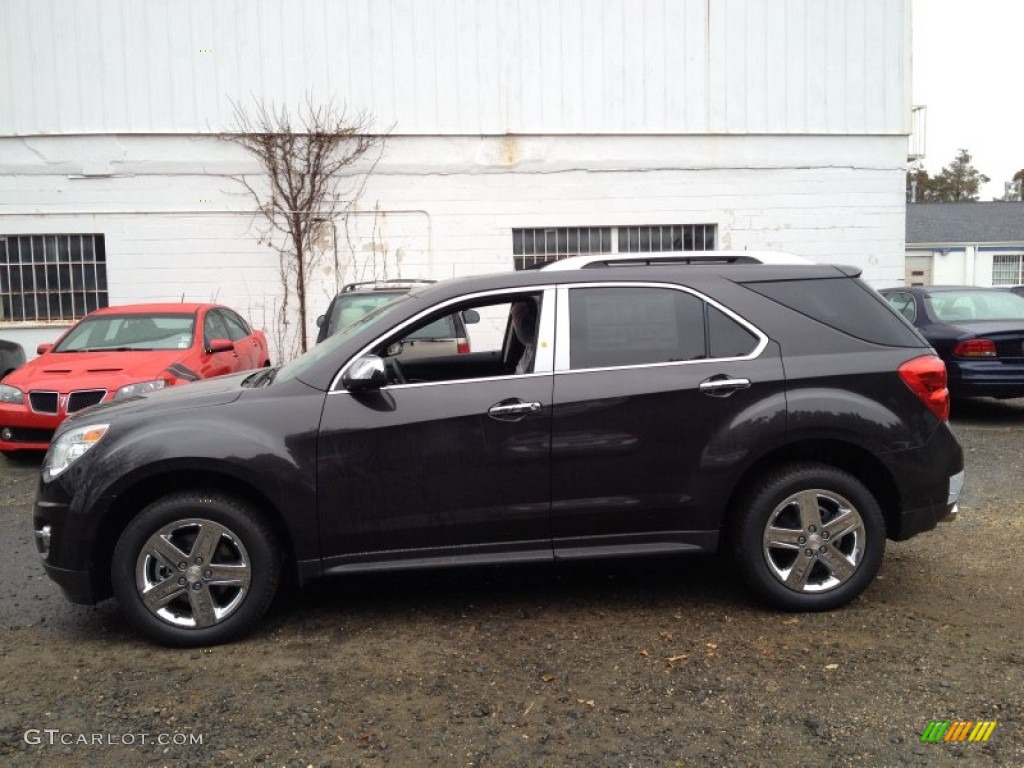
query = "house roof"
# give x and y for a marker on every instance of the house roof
(965, 223)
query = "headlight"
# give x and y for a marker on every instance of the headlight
(12, 395)
(70, 447)
(131, 390)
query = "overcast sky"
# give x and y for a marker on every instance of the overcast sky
(968, 66)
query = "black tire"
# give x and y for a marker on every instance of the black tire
(228, 569)
(812, 553)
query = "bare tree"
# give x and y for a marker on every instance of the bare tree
(306, 158)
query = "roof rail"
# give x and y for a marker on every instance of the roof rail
(385, 284)
(674, 258)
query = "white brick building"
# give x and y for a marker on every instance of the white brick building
(733, 123)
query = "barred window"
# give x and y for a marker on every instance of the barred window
(1008, 269)
(535, 247)
(680, 237)
(51, 277)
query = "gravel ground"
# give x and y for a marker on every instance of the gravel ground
(646, 663)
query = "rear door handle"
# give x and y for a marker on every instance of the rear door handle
(722, 386)
(512, 410)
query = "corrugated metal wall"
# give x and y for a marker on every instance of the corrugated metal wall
(461, 66)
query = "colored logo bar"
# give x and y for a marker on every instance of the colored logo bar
(958, 730)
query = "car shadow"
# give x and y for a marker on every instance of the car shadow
(667, 583)
(986, 411)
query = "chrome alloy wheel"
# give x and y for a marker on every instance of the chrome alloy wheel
(814, 541)
(193, 573)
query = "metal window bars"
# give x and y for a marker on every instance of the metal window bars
(46, 278)
(1008, 269)
(535, 247)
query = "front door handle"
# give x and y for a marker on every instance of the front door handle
(722, 386)
(512, 410)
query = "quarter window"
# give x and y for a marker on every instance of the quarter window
(904, 304)
(727, 337)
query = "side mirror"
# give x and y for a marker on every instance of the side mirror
(471, 316)
(220, 345)
(395, 349)
(365, 374)
(42, 349)
(320, 321)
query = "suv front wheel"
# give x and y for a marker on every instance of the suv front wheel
(195, 568)
(809, 537)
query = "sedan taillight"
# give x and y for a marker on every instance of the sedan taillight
(975, 348)
(926, 377)
(462, 347)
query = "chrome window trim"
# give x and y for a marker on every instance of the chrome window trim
(543, 360)
(564, 323)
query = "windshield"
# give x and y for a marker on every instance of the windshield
(132, 332)
(351, 308)
(329, 347)
(967, 305)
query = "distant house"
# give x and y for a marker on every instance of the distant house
(965, 243)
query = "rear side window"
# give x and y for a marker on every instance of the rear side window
(904, 304)
(439, 329)
(845, 304)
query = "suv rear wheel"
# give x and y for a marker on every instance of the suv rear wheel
(810, 537)
(195, 568)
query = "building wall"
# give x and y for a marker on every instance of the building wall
(177, 225)
(461, 67)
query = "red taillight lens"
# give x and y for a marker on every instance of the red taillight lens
(975, 348)
(926, 377)
(462, 347)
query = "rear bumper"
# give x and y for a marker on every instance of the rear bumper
(930, 480)
(986, 378)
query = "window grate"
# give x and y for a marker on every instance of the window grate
(1008, 269)
(47, 278)
(535, 247)
(678, 237)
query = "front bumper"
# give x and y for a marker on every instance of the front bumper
(22, 429)
(77, 586)
(65, 542)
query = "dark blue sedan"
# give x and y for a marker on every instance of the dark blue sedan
(979, 332)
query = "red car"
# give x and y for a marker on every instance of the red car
(118, 352)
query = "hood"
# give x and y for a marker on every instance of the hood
(66, 371)
(200, 394)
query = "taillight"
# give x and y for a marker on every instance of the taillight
(926, 377)
(462, 347)
(975, 348)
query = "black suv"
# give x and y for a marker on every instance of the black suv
(785, 414)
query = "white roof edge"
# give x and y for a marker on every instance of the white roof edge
(763, 257)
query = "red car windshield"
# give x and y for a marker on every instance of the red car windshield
(130, 333)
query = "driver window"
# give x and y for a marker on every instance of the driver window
(488, 338)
